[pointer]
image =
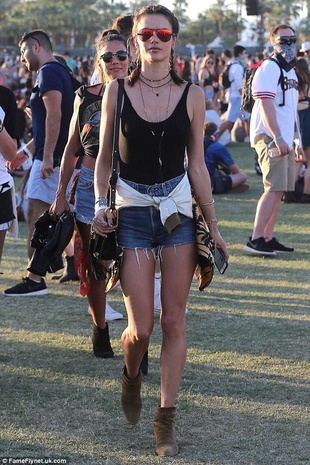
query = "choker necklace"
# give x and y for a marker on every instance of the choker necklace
(154, 80)
(155, 87)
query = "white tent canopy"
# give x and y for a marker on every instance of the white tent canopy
(247, 43)
(217, 42)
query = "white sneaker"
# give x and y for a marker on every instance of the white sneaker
(110, 314)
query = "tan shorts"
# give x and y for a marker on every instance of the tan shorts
(278, 172)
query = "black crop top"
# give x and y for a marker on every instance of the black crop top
(89, 120)
(209, 80)
(141, 151)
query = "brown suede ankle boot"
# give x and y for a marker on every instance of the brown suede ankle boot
(164, 429)
(131, 398)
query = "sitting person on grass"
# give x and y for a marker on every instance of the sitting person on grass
(224, 173)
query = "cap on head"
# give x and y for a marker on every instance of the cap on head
(305, 47)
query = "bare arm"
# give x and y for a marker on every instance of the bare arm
(202, 75)
(68, 162)
(52, 102)
(197, 170)
(7, 145)
(21, 156)
(234, 169)
(104, 159)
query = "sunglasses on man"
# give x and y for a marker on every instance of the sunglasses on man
(285, 40)
(163, 34)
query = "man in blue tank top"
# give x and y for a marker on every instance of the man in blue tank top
(51, 105)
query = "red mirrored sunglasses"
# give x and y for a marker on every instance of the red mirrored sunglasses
(163, 34)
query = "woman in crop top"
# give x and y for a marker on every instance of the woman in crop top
(112, 62)
(162, 120)
(208, 80)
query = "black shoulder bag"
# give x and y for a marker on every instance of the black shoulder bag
(100, 247)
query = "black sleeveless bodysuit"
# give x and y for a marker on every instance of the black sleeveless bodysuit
(153, 152)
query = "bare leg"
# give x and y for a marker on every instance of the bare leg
(238, 178)
(225, 125)
(69, 249)
(266, 215)
(137, 279)
(307, 172)
(177, 269)
(2, 238)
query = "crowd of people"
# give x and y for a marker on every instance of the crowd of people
(166, 105)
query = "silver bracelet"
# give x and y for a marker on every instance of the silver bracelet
(101, 201)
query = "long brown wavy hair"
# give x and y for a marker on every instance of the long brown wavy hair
(303, 74)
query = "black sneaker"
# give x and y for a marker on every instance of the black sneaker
(259, 247)
(144, 365)
(258, 169)
(278, 247)
(26, 288)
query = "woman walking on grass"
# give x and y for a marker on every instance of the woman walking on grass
(162, 119)
(112, 62)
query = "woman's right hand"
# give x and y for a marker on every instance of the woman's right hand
(104, 222)
(59, 206)
(17, 162)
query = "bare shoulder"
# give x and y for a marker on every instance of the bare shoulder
(196, 92)
(112, 86)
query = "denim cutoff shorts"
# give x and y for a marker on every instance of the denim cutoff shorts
(84, 206)
(141, 227)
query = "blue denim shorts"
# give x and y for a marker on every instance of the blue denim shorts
(141, 227)
(84, 206)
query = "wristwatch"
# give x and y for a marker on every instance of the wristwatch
(1, 125)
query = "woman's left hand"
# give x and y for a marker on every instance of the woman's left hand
(219, 241)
